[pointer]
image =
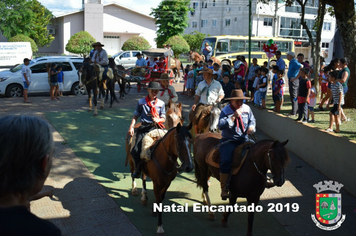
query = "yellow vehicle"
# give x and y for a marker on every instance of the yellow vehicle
(227, 47)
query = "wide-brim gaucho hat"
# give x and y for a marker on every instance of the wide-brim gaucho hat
(154, 86)
(237, 94)
(97, 44)
(164, 76)
(206, 70)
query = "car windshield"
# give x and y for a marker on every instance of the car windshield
(18, 67)
(115, 55)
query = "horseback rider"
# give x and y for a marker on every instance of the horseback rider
(100, 57)
(236, 122)
(209, 91)
(207, 52)
(169, 48)
(141, 65)
(152, 112)
(168, 93)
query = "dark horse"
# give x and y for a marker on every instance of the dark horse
(119, 77)
(250, 181)
(89, 78)
(163, 166)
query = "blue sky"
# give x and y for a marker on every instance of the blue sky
(62, 6)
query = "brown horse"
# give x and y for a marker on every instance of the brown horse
(251, 180)
(163, 166)
(198, 58)
(173, 115)
(207, 121)
(176, 67)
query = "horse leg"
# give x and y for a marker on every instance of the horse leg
(206, 200)
(102, 99)
(134, 188)
(160, 194)
(144, 197)
(232, 201)
(95, 102)
(90, 102)
(251, 215)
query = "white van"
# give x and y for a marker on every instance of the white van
(12, 53)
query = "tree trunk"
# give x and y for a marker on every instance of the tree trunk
(346, 23)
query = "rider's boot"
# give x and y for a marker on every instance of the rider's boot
(137, 172)
(104, 84)
(224, 183)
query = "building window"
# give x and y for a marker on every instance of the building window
(213, 3)
(227, 22)
(213, 23)
(325, 45)
(194, 24)
(327, 26)
(267, 21)
(204, 23)
(202, 4)
(195, 5)
(227, 2)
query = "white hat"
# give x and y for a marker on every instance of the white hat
(292, 54)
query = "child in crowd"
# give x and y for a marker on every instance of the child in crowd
(215, 76)
(278, 91)
(324, 84)
(338, 98)
(312, 102)
(256, 94)
(226, 70)
(239, 72)
(60, 80)
(190, 80)
(303, 95)
(210, 64)
(227, 86)
(186, 71)
(54, 82)
(262, 87)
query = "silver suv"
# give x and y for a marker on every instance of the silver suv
(11, 83)
(126, 58)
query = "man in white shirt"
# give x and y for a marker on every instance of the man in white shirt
(100, 57)
(168, 92)
(26, 78)
(209, 91)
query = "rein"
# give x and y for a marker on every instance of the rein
(270, 164)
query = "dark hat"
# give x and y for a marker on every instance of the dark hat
(97, 44)
(154, 86)
(138, 54)
(237, 94)
(26, 59)
(206, 70)
(164, 76)
(210, 60)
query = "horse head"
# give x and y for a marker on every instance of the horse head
(112, 64)
(214, 118)
(278, 158)
(183, 144)
(86, 72)
(174, 115)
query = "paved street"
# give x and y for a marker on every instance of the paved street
(81, 206)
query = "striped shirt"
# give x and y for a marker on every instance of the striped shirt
(336, 89)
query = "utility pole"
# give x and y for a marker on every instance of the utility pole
(249, 31)
(275, 19)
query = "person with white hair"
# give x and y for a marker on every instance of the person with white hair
(26, 149)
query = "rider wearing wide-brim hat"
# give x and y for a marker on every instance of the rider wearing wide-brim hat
(236, 122)
(140, 66)
(169, 93)
(152, 113)
(100, 57)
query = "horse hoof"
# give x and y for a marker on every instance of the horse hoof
(144, 202)
(134, 192)
(224, 223)
(95, 114)
(101, 108)
(211, 216)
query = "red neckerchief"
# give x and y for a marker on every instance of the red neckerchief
(169, 92)
(154, 110)
(239, 118)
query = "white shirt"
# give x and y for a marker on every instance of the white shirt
(218, 73)
(165, 96)
(26, 70)
(101, 57)
(215, 90)
(264, 80)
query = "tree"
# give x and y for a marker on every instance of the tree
(194, 40)
(136, 43)
(171, 19)
(179, 45)
(24, 38)
(27, 17)
(346, 23)
(42, 18)
(80, 43)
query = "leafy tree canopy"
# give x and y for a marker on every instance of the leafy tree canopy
(194, 40)
(27, 17)
(171, 19)
(179, 45)
(136, 43)
(80, 43)
(24, 38)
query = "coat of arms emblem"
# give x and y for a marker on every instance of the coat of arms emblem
(328, 205)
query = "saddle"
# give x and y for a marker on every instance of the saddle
(240, 154)
(100, 71)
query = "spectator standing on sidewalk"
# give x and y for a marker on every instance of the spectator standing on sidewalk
(26, 78)
(251, 76)
(280, 62)
(303, 95)
(293, 71)
(312, 102)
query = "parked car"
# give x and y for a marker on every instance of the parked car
(11, 84)
(126, 58)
